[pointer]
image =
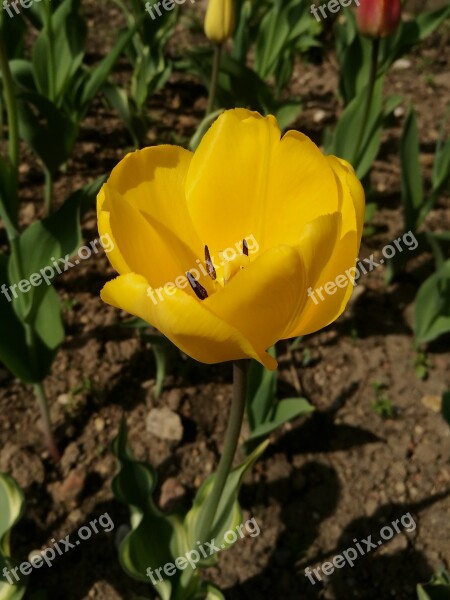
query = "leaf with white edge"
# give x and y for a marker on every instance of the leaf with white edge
(12, 503)
(228, 515)
(283, 411)
(155, 539)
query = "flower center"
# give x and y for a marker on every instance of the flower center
(220, 274)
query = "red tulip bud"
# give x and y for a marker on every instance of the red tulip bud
(378, 18)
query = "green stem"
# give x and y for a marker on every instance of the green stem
(370, 89)
(214, 78)
(230, 446)
(51, 55)
(48, 193)
(11, 108)
(46, 422)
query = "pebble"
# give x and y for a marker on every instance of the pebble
(99, 424)
(64, 399)
(402, 64)
(164, 424)
(319, 116)
(434, 403)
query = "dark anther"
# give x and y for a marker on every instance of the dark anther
(209, 264)
(245, 247)
(199, 290)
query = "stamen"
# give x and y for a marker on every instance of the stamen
(245, 247)
(209, 264)
(199, 290)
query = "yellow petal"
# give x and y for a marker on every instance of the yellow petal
(243, 180)
(143, 208)
(115, 257)
(262, 299)
(328, 295)
(184, 320)
(352, 198)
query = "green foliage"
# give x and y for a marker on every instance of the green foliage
(31, 324)
(437, 589)
(264, 412)
(382, 405)
(55, 88)
(12, 504)
(432, 308)
(151, 66)
(354, 53)
(157, 539)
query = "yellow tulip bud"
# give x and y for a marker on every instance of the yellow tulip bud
(220, 20)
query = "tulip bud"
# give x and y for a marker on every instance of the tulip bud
(378, 18)
(220, 20)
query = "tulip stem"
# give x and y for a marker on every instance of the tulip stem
(42, 400)
(214, 78)
(229, 450)
(370, 90)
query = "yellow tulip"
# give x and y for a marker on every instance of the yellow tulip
(219, 20)
(163, 204)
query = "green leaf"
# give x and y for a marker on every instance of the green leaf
(261, 390)
(56, 236)
(351, 121)
(229, 514)
(49, 132)
(441, 167)
(155, 538)
(66, 44)
(9, 201)
(412, 184)
(432, 308)
(12, 504)
(14, 352)
(101, 72)
(283, 411)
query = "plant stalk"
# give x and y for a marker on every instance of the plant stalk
(231, 441)
(46, 422)
(11, 108)
(369, 99)
(48, 193)
(214, 78)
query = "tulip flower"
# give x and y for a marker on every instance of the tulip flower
(219, 20)
(378, 18)
(169, 210)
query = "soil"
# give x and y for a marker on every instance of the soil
(338, 476)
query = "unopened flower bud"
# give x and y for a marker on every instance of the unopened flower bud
(378, 18)
(220, 20)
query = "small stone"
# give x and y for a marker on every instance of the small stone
(402, 64)
(319, 116)
(399, 112)
(434, 403)
(64, 399)
(99, 424)
(164, 424)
